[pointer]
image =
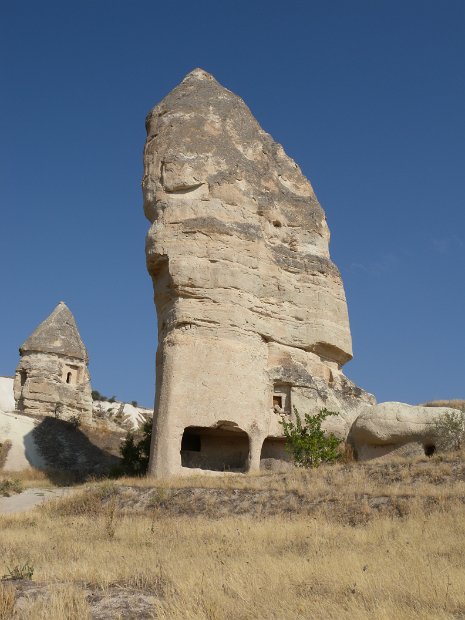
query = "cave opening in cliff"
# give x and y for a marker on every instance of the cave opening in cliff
(274, 448)
(215, 449)
(429, 449)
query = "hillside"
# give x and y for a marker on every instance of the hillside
(379, 540)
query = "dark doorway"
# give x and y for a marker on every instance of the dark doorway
(274, 448)
(215, 449)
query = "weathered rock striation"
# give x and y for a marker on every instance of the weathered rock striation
(52, 377)
(252, 315)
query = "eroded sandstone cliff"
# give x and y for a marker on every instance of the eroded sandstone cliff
(252, 315)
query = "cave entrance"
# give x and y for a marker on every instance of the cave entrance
(274, 448)
(429, 449)
(215, 449)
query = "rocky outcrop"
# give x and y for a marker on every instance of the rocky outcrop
(124, 415)
(396, 429)
(252, 315)
(52, 376)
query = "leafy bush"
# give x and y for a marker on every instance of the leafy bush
(450, 430)
(135, 454)
(7, 487)
(20, 571)
(97, 396)
(307, 443)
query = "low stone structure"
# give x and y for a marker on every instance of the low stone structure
(396, 429)
(252, 315)
(52, 378)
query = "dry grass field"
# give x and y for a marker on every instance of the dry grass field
(455, 404)
(380, 540)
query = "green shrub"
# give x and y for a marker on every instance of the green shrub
(450, 430)
(20, 571)
(135, 454)
(8, 487)
(97, 396)
(307, 443)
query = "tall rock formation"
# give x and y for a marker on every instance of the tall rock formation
(52, 377)
(252, 315)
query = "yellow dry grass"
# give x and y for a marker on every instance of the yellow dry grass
(454, 403)
(287, 566)
(7, 601)
(28, 478)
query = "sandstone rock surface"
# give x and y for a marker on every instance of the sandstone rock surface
(7, 398)
(17, 431)
(52, 376)
(392, 428)
(252, 315)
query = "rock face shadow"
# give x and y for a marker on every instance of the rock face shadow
(69, 453)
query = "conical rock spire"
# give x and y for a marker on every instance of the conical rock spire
(57, 334)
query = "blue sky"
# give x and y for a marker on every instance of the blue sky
(367, 96)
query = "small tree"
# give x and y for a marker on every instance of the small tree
(136, 454)
(450, 430)
(307, 443)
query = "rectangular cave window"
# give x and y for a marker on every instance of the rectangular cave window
(191, 442)
(277, 401)
(71, 374)
(282, 398)
(23, 377)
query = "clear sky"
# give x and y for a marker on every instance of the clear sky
(368, 96)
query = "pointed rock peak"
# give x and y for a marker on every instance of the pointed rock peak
(199, 74)
(57, 334)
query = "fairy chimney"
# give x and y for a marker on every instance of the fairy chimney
(252, 315)
(52, 377)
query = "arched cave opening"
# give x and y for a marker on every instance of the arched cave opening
(429, 449)
(215, 449)
(273, 449)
